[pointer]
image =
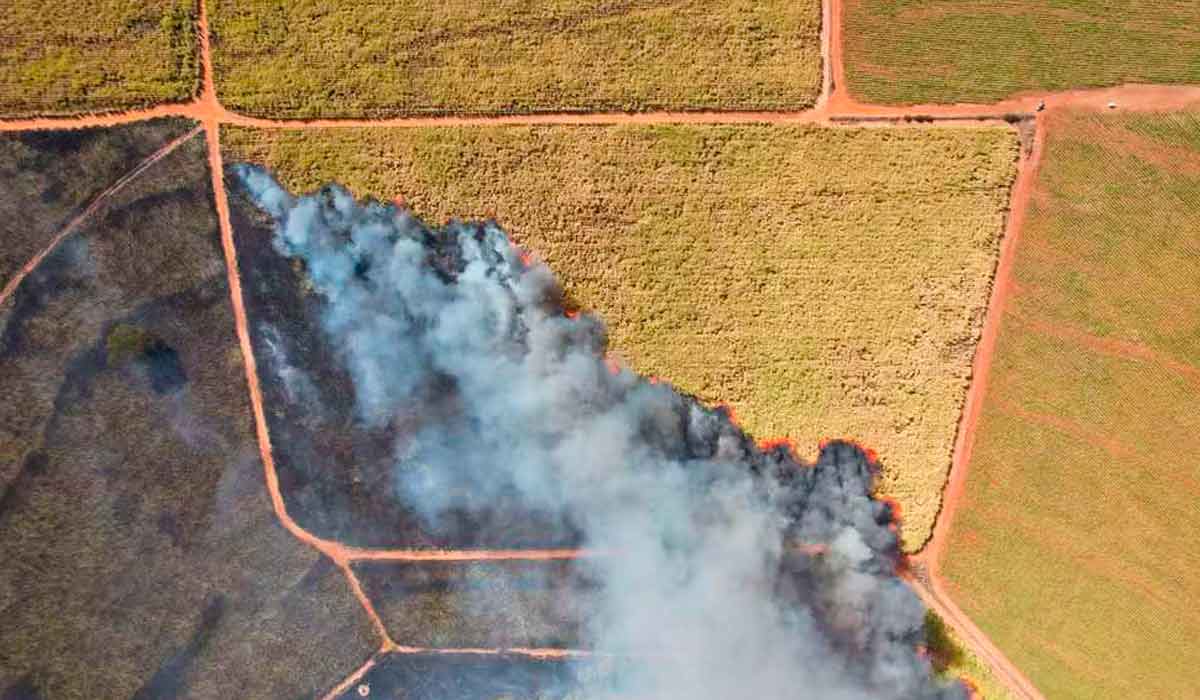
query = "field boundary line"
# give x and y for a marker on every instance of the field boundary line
(212, 128)
(931, 588)
(354, 677)
(1001, 289)
(98, 201)
(837, 111)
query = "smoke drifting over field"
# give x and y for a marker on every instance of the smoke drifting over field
(462, 347)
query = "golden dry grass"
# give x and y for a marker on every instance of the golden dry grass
(365, 58)
(60, 57)
(1074, 549)
(823, 282)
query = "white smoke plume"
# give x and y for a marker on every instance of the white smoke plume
(704, 581)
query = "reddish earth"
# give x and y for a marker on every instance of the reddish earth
(834, 107)
(1002, 287)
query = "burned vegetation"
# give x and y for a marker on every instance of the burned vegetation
(336, 471)
(741, 570)
(482, 604)
(51, 176)
(141, 557)
(464, 677)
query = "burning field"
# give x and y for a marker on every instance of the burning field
(741, 570)
(821, 282)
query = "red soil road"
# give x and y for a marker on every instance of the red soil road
(1002, 287)
(933, 594)
(932, 589)
(838, 110)
(97, 202)
(352, 679)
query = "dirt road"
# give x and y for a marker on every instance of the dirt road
(934, 596)
(97, 202)
(1002, 285)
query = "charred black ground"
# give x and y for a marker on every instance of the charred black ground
(742, 570)
(484, 604)
(139, 554)
(336, 473)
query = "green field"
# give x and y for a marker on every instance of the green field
(1073, 548)
(915, 51)
(823, 282)
(62, 57)
(370, 59)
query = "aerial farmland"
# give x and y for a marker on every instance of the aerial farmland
(556, 349)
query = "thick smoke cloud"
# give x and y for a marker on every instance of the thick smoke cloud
(450, 334)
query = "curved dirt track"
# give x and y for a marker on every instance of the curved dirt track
(89, 211)
(935, 598)
(835, 107)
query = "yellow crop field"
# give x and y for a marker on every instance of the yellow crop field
(913, 51)
(824, 282)
(1073, 548)
(59, 57)
(365, 58)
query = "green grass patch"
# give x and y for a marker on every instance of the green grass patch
(125, 343)
(60, 57)
(1072, 544)
(914, 51)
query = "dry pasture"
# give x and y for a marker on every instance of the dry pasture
(65, 57)
(370, 59)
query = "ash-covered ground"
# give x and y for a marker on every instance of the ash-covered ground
(139, 554)
(446, 358)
